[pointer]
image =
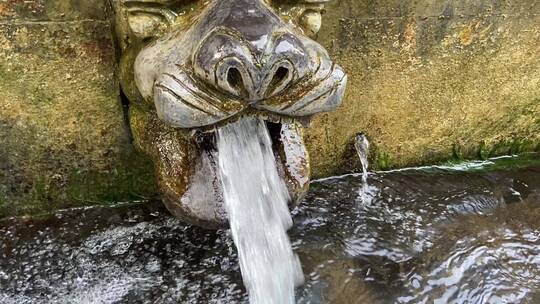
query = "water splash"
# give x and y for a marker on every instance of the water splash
(361, 144)
(256, 201)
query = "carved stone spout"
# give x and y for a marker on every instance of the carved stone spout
(187, 67)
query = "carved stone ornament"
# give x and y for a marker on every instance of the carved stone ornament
(188, 66)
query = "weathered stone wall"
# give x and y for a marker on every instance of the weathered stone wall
(63, 141)
(430, 81)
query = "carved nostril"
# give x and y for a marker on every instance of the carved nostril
(234, 78)
(279, 77)
(278, 81)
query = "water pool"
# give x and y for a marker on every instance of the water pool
(458, 234)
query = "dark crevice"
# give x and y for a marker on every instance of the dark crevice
(205, 141)
(275, 134)
(125, 109)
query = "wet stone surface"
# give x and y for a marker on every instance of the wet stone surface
(416, 236)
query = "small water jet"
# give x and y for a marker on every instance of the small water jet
(361, 144)
(256, 200)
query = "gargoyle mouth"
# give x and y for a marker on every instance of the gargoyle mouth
(202, 203)
(185, 102)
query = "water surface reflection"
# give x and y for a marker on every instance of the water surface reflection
(425, 236)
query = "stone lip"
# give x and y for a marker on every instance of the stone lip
(186, 166)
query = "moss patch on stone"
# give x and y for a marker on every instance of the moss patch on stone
(64, 141)
(43, 193)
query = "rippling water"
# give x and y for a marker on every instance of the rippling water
(432, 235)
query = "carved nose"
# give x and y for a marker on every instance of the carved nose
(242, 81)
(250, 70)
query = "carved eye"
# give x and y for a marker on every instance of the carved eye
(311, 21)
(146, 25)
(305, 14)
(151, 18)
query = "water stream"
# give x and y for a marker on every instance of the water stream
(361, 144)
(256, 199)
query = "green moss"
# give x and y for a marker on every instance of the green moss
(130, 181)
(40, 189)
(519, 154)
(133, 182)
(461, 154)
(512, 146)
(483, 152)
(383, 161)
(457, 153)
(513, 163)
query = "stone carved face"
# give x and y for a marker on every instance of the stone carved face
(188, 66)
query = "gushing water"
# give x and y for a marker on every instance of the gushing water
(256, 201)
